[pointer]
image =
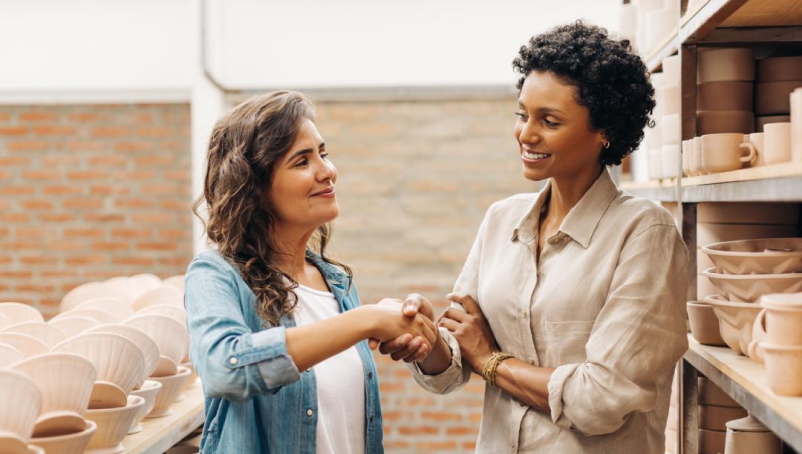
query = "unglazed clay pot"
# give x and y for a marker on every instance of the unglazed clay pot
(761, 122)
(115, 306)
(25, 344)
(163, 294)
(754, 142)
(18, 313)
(150, 351)
(779, 68)
(724, 121)
(758, 335)
(709, 233)
(670, 99)
(735, 322)
(796, 125)
(48, 334)
(90, 291)
(725, 64)
(783, 367)
(723, 153)
(777, 142)
(762, 256)
(749, 288)
(9, 356)
(774, 98)
(710, 394)
(687, 156)
(724, 95)
(712, 441)
(750, 436)
(103, 317)
(74, 443)
(148, 391)
(171, 336)
(696, 161)
(671, 161)
(671, 129)
(715, 418)
(783, 318)
(73, 325)
(655, 164)
(171, 388)
(20, 393)
(113, 425)
(704, 324)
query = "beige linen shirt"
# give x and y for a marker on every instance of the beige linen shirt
(604, 306)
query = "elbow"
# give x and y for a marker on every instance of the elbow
(597, 419)
(224, 385)
(600, 426)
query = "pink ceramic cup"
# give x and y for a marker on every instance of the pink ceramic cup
(722, 152)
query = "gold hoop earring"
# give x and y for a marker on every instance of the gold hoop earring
(606, 144)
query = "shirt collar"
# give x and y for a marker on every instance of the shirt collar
(583, 218)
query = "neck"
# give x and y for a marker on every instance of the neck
(567, 192)
(290, 245)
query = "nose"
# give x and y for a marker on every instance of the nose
(527, 132)
(327, 171)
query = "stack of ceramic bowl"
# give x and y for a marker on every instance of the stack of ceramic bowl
(724, 78)
(20, 393)
(716, 409)
(776, 78)
(669, 97)
(777, 341)
(748, 435)
(796, 125)
(743, 272)
(125, 288)
(120, 364)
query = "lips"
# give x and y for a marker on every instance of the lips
(326, 191)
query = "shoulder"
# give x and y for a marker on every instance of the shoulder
(512, 208)
(212, 262)
(640, 215)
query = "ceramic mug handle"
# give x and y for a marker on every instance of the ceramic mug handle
(758, 335)
(752, 156)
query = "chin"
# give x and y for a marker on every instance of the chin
(535, 175)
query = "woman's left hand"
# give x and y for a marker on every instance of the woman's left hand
(476, 341)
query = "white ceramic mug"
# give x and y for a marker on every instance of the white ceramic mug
(796, 125)
(722, 152)
(777, 142)
(696, 161)
(671, 161)
(687, 156)
(755, 141)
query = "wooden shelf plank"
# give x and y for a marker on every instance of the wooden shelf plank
(160, 434)
(663, 190)
(668, 47)
(786, 169)
(761, 13)
(746, 382)
(706, 19)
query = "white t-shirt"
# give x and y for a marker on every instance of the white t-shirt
(340, 382)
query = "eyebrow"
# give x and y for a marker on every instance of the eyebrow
(543, 109)
(305, 151)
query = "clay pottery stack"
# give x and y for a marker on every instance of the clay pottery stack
(724, 101)
(712, 439)
(796, 125)
(704, 324)
(18, 392)
(777, 342)
(748, 435)
(777, 78)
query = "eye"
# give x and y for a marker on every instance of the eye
(301, 163)
(324, 154)
(522, 115)
(550, 123)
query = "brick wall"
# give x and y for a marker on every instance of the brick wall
(415, 179)
(90, 192)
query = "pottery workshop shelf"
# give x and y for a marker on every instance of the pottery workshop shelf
(160, 434)
(745, 381)
(703, 18)
(667, 48)
(659, 190)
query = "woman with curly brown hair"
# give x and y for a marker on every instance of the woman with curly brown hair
(278, 336)
(574, 296)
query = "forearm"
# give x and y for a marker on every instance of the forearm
(525, 382)
(311, 344)
(438, 360)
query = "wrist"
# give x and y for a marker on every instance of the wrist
(364, 320)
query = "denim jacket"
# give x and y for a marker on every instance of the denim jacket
(256, 399)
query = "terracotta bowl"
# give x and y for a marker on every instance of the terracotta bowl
(176, 281)
(170, 335)
(5, 322)
(147, 281)
(65, 380)
(749, 288)
(715, 418)
(783, 367)
(707, 233)
(150, 350)
(774, 98)
(113, 425)
(783, 318)
(762, 256)
(11, 444)
(90, 291)
(148, 391)
(101, 316)
(170, 310)
(725, 95)
(116, 359)
(724, 121)
(24, 343)
(710, 394)
(735, 322)
(704, 324)
(761, 122)
(74, 325)
(9, 356)
(74, 443)
(779, 68)
(20, 393)
(114, 306)
(18, 313)
(164, 294)
(171, 388)
(49, 334)
(725, 64)
(712, 441)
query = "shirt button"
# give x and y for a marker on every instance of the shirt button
(370, 375)
(531, 360)
(309, 412)
(523, 314)
(233, 360)
(371, 418)
(513, 448)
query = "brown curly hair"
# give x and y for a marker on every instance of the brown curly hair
(245, 146)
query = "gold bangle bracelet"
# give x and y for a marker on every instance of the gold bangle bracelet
(490, 367)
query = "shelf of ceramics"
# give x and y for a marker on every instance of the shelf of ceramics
(775, 183)
(666, 48)
(693, 8)
(160, 434)
(706, 19)
(746, 382)
(660, 190)
(762, 13)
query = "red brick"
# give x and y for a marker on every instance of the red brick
(84, 232)
(14, 217)
(62, 189)
(154, 160)
(65, 246)
(27, 145)
(84, 145)
(60, 160)
(131, 233)
(38, 116)
(133, 203)
(85, 260)
(39, 260)
(153, 218)
(41, 174)
(178, 205)
(434, 446)
(36, 204)
(7, 161)
(174, 233)
(57, 217)
(110, 246)
(83, 203)
(135, 175)
(133, 147)
(54, 131)
(155, 132)
(17, 190)
(16, 274)
(88, 175)
(178, 175)
(86, 117)
(441, 416)
(421, 430)
(109, 160)
(131, 260)
(13, 130)
(110, 131)
(104, 217)
(157, 246)
(5, 116)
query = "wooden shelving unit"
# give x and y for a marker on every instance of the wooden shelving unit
(160, 434)
(727, 23)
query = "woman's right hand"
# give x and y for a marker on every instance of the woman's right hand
(387, 322)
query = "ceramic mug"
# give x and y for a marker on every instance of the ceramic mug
(796, 121)
(777, 142)
(696, 162)
(687, 156)
(671, 161)
(755, 141)
(722, 152)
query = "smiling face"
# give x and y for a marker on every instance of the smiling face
(553, 131)
(302, 194)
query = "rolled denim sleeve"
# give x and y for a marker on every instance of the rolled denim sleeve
(635, 342)
(232, 361)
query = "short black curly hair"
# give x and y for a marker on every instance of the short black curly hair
(611, 81)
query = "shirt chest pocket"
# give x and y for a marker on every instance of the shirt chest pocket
(565, 341)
